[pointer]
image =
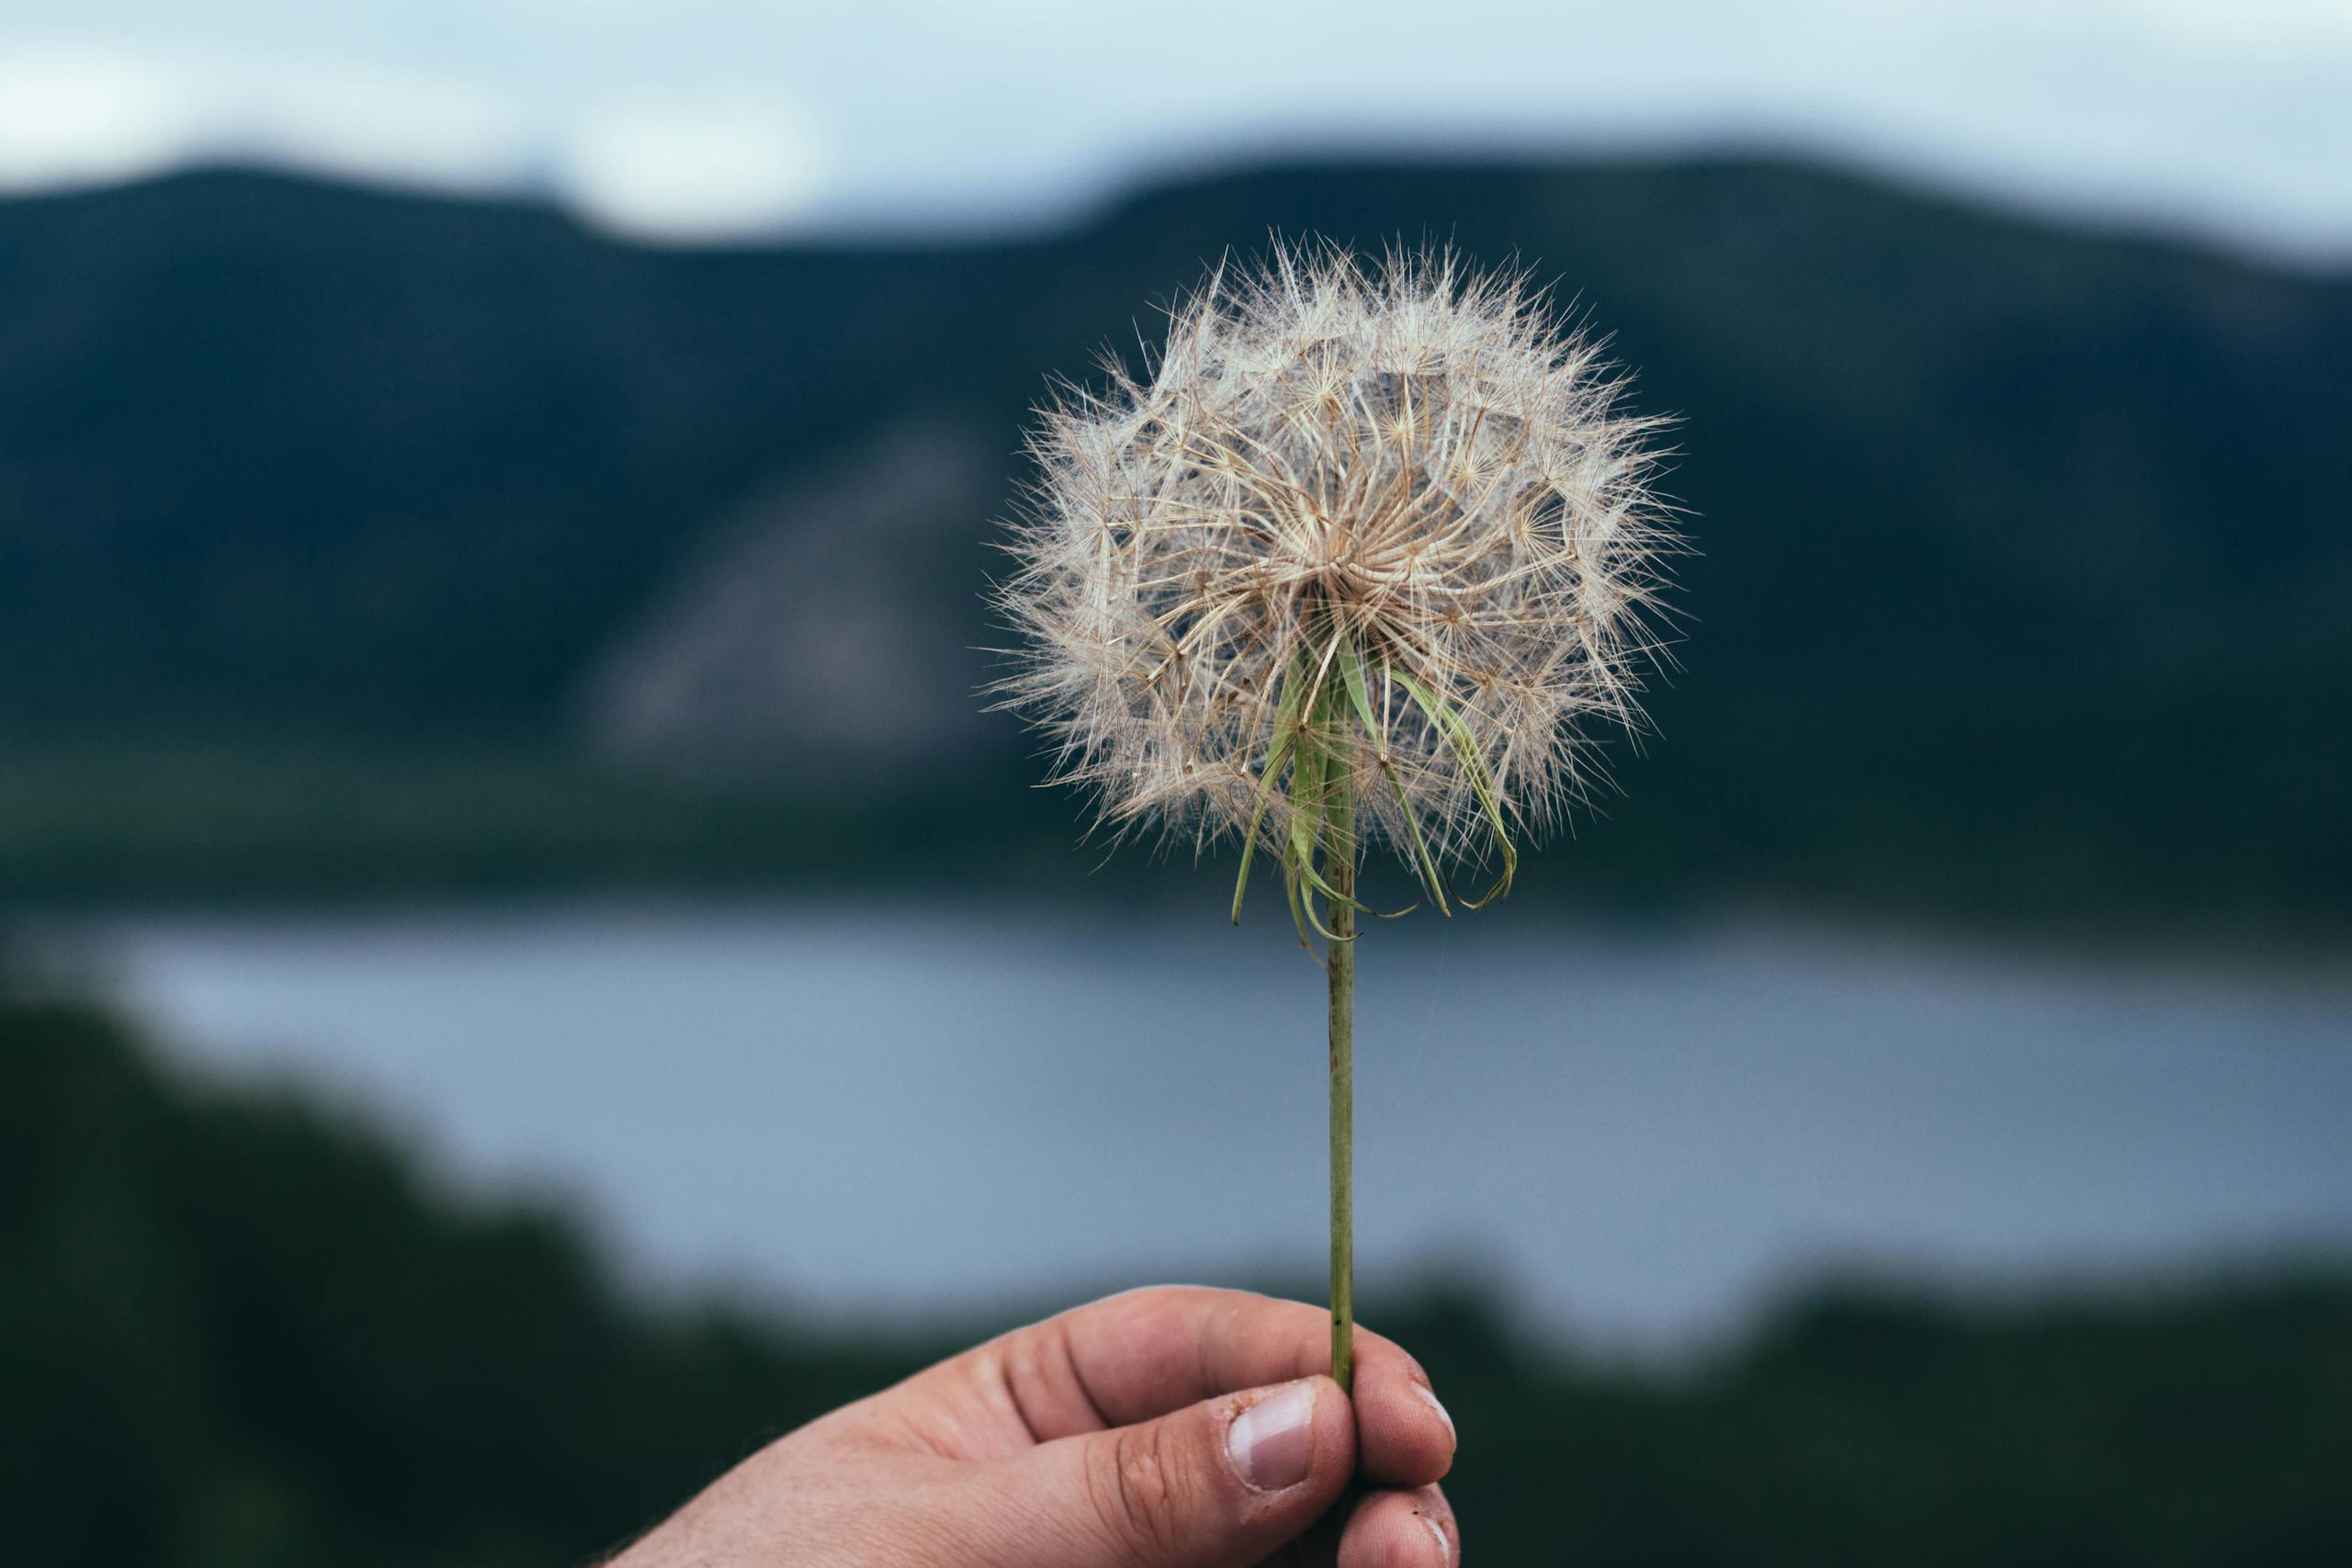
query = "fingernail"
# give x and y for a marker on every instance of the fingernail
(1429, 1397)
(1444, 1542)
(1272, 1442)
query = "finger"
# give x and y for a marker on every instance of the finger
(1132, 1356)
(1404, 1529)
(1222, 1484)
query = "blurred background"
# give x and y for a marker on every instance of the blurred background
(524, 967)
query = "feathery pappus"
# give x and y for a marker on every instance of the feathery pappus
(1367, 543)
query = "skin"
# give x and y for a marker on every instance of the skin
(1175, 1428)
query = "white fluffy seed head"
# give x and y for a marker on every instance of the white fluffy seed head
(1410, 466)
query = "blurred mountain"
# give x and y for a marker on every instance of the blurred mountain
(2025, 550)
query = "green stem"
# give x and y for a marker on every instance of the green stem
(1341, 962)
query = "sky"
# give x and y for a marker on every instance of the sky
(694, 119)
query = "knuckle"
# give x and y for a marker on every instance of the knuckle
(1137, 1488)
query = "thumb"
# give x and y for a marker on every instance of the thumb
(1224, 1483)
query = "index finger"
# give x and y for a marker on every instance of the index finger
(1134, 1357)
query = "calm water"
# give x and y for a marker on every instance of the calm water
(906, 1111)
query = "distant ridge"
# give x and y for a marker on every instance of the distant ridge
(2024, 549)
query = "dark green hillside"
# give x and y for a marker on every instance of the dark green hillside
(2024, 549)
(235, 1331)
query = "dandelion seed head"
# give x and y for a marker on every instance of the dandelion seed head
(1405, 468)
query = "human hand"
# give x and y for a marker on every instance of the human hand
(1176, 1428)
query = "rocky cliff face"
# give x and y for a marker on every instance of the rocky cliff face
(804, 637)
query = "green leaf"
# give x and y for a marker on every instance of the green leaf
(1351, 677)
(1425, 864)
(1277, 751)
(1466, 749)
(1305, 829)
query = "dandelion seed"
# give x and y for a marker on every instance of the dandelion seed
(1411, 458)
(1358, 558)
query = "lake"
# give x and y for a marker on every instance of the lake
(906, 1111)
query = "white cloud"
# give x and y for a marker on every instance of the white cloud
(357, 120)
(701, 119)
(695, 164)
(703, 167)
(74, 116)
